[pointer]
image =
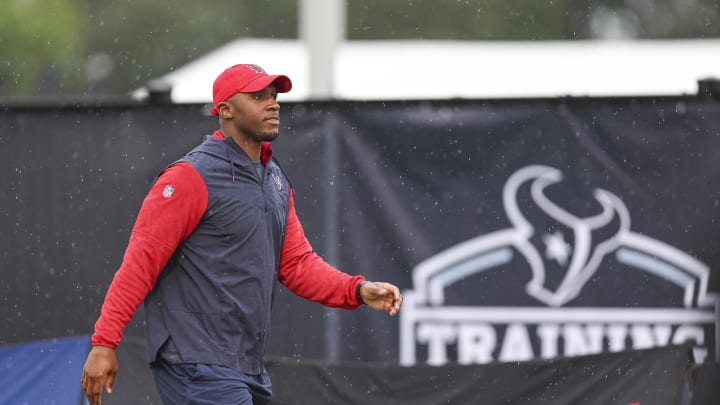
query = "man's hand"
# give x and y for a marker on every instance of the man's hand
(381, 296)
(100, 369)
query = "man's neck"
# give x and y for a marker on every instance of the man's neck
(251, 147)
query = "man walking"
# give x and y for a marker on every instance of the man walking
(214, 232)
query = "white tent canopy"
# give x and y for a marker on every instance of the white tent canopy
(391, 70)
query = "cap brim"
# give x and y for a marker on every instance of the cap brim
(282, 84)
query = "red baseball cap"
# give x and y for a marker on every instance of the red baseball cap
(245, 78)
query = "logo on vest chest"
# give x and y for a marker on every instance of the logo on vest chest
(278, 181)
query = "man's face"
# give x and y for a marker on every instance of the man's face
(256, 115)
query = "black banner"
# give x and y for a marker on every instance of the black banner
(517, 229)
(522, 230)
(605, 379)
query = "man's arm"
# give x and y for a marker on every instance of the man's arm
(169, 214)
(309, 276)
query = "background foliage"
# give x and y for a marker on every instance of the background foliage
(109, 47)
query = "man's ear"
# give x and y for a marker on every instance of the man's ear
(224, 110)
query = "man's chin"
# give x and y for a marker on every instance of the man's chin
(267, 137)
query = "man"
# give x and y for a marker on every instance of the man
(215, 230)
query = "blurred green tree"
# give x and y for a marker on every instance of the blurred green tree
(533, 20)
(141, 40)
(39, 46)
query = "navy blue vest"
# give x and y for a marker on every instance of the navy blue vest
(214, 296)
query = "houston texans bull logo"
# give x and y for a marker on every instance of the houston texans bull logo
(587, 252)
(563, 251)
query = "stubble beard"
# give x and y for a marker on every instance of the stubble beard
(266, 136)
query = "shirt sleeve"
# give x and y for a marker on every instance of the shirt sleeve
(306, 274)
(169, 214)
